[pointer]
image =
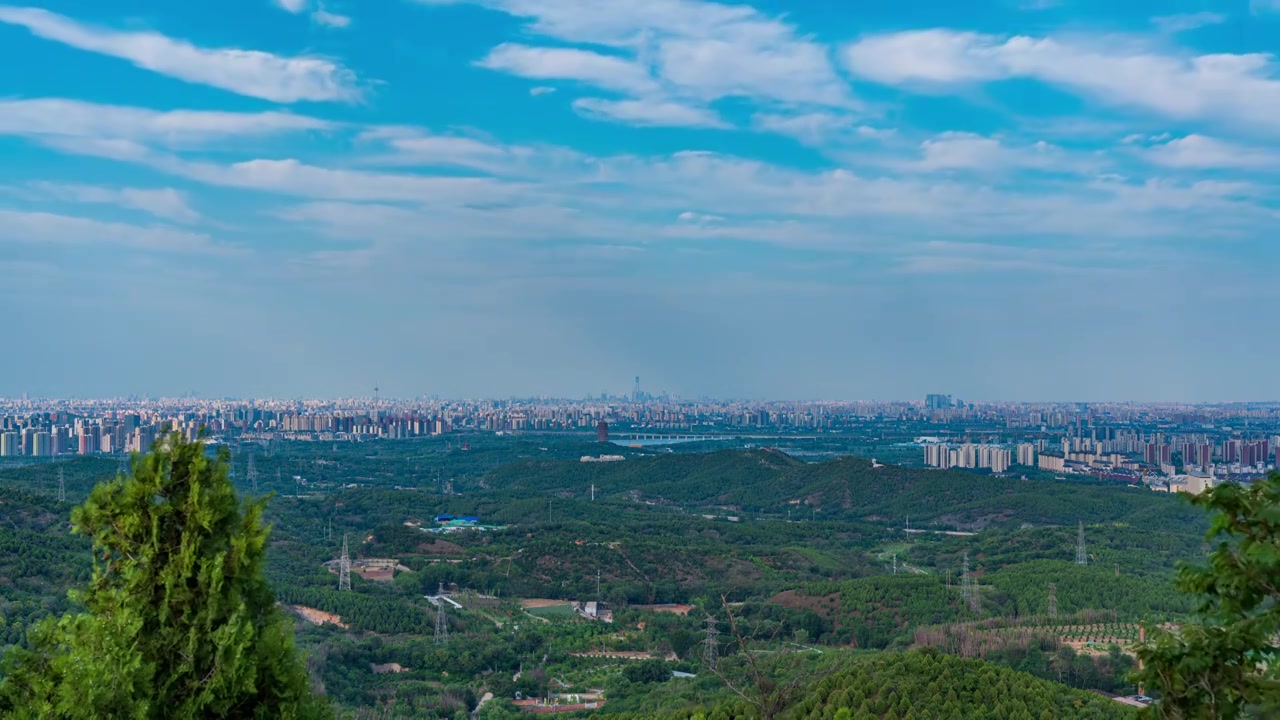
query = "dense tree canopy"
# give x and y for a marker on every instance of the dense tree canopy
(1222, 665)
(178, 620)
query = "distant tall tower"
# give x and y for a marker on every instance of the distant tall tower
(635, 393)
(711, 644)
(62, 485)
(1053, 600)
(602, 432)
(344, 567)
(969, 587)
(1081, 557)
(442, 622)
(975, 603)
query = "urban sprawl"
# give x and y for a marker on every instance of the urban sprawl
(1166, 446)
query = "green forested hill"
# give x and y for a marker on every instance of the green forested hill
(923, 684)
(39, 560)
(802, 551)
(765, 481)
(928, 685)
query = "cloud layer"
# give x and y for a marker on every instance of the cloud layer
(246, 72)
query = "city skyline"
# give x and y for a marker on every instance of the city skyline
(1005, 199)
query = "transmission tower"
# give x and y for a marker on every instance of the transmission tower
(711, 645)
(62, 485)
(1053, 600)
(442, 622)
(344, 567)
(252, 472)
(975, 604)
(1081, 557)
(966, 590)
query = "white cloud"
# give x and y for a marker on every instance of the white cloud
(49, 118)
(789, 72)
(689, 51)
(1039, 4)
(967, 151)
(246, 72)
(328, 19)
(929, 56)
(688, 216)
(648, 111)
(1240, 89)
(1187, 21)
(541, 90)
(1201, 152)
(901, 191)
(165, 203)
(540, 63)
(293, 6)
(629, 23)
(817, 128)
(1264, 6)
(291, 177)
(413, 146)
(18, 226)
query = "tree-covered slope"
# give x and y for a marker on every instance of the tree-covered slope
(917, 685)
(767, 481)
(39, 561)
(929, 685)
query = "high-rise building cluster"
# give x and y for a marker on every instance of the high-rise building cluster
(993, 457)
(1096, 438)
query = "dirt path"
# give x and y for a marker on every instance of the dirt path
(475, 714)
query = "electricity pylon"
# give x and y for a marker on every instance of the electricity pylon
(1081, 557)
(344, 567)
(442, 622)
(711, 645)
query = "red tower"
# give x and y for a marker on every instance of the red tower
(602, 432)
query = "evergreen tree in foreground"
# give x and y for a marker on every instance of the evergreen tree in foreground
(179, 621)
(1226, 664)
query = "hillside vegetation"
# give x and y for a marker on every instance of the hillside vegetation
(924, 684)
(770, 482)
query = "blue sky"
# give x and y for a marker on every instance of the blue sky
(1010, 199)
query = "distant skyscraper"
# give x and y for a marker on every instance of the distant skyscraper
(43, 445)
(602, 432)
(10, 444)
(936, 401)
(1027, 454)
